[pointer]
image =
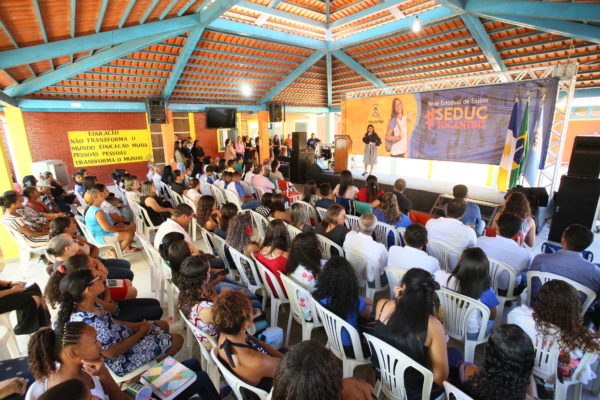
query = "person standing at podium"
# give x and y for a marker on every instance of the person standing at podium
(372, 141)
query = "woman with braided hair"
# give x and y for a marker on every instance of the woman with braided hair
(70, 352)
(126, 346)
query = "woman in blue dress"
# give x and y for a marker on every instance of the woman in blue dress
(126, 346)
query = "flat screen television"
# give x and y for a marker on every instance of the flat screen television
(220, 118)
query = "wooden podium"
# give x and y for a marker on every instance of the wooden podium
(343, 147)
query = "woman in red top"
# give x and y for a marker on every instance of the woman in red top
(274, 251)
(371, 192)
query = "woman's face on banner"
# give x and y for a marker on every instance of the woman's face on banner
(398, 106)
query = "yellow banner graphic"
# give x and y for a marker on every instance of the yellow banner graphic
(90, 148)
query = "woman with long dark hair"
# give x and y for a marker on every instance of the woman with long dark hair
(228, 211)
(207, 213)
(309, 192)
(167, 176)
(371, 141)
(409, 324)
(229, 151)
(304, 266)
(471, 277)
(556, 318)
(396, 137)
(299, 218)
(517, 204)
(273, 252)
(389, 212)
(337, 290)
(506, 371)
(370, 192)
(277, 207)
(346, 188)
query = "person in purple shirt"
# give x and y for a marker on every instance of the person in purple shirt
(569, 263)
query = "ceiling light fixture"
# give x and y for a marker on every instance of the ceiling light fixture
(416, 27)
(397, 14)
(246, 90)
(261, 19)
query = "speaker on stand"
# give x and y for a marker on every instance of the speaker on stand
(157, 113)
(301, 158)
(276, 111)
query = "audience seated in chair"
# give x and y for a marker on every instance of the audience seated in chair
(506, 370)
(277, 207)
(228, 212)
(337, 290)
(556, 318)
(102, 226)
(275, 173)
(404, 202)
(207, 213)
(471, 277)
(346, 189)
(362, 242)
(126, 346)
(193, 193)
(412, 254)
(517, 204)
(158, 209)
(248, 201)
(333, 225)
(132, 189)
(309, 192)
(389, 213)
(260, 180)
(310, 371)
(503, 248)
(273, 252)
(299, 218)
(265, 205)
(370, 192)
(450, 229)
(304, 261)
(181, 218)
(37, 206)
(327, 196)
(178, 184)
(569, 262)
(29, 304)
(117, 268)
(249, 358)
(409, 324)
(472, 215)
(12, 205)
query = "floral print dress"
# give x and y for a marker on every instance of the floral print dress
(109, 332)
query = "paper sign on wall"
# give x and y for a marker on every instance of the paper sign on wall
(90, 148)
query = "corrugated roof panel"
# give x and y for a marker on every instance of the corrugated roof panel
(278, 24)
(309, 9)
(20, 73)
(20, 20)
(234, 40)
(5, 79)
(56, 17)
(344, 8)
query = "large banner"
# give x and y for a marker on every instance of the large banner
(90, 148)
(464, 124)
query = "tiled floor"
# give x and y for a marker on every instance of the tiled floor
(36, 273)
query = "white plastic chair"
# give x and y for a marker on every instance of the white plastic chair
(90, 238)
(310, 211)
(218, 194)
(547, 276)
(497, 269)
(295, 292)
(177, 198)
(218, 243)
(231, 197)
(456, 309)
(259, 192)
(401, 231)
(366, 268)
(446, 254)
(143, 221)
(278, 296)
(239, 260)
(26, 249)
(392, 365)
(292, 231)
(352, 222)
(322, 212)
(208, 365)
(79, 197)
(81, 209)
(164, 190)
(260, 223)
(155, 275)
(458, 394)
(383, 232)
(394, 275)
(9, 338)
(233, 381)
(333, 327)
(166, 284)
(326, 246)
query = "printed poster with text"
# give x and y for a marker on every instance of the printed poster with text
(90, 148)
(464, 125)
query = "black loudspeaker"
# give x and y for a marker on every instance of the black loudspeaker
(576, 203)
(276, 112)
(155, 108)
(300, 163)
(585, 158)
(299, 141)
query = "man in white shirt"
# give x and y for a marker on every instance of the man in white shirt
(450, 229)
(180, 220)
(412, 254)
(362, 242)
(503, 248)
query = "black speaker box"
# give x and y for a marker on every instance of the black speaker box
(157, 114)
(276, 112)
(585, 158)
(576, 203)
(299, 141)
(299, 165)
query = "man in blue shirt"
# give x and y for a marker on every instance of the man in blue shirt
(472, 216)
(312, 142)
(236, 186)
(326, 199)
(569, 262)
